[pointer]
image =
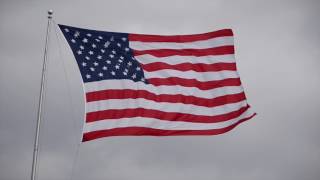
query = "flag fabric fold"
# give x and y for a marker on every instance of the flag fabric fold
(156, 85)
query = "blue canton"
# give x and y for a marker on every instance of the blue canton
(103, 55)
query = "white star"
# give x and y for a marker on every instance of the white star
(118, 44)
(100, 74)
(126, 70)
(134, 76)
(66, 30)
(76, 34)
(87, 58)
(120, 61)
(106, 44)
(95, 64)
(113, 73)
(104, 67)
(138, 68)
(112, 38)
(108, 62)
(98, 40)
(73, 41)
(102, 50)
(99, 57)
(111, 55)
(117, 66)
(129, 63)
(81, 47)
(125, 73)
(132, 58)
(100, 37)
(126, 49)
(88, 76)
(89, 35)
(79, 52)
(84, 64)
(94, 46)
(85, 40)
(142, 79)
(92, 69)
(124, 39)
(121, 57)
(114, 52)
(90, 52)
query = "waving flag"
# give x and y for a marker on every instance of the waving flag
(158, 85)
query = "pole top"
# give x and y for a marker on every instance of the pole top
(50, 12)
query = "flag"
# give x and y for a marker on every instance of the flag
(155, 85)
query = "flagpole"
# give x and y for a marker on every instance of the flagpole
(41, 97)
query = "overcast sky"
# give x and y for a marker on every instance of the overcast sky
(278, 57)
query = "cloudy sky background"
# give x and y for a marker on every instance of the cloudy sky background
(277, 51)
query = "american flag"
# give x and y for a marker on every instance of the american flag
(158, 85)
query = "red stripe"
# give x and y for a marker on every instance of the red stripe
(169, 116)
(142, 131)
(180, 38)
(172, 81)
(198, 67)
(221, 50)
(176, 98)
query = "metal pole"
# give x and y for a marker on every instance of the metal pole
(43, 78)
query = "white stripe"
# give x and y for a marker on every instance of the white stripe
(162, 106)
(200, 76)
(203, 44)
(172, 60)
(160, 124)
(172, 90)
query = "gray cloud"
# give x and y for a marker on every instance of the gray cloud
(277, 50)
